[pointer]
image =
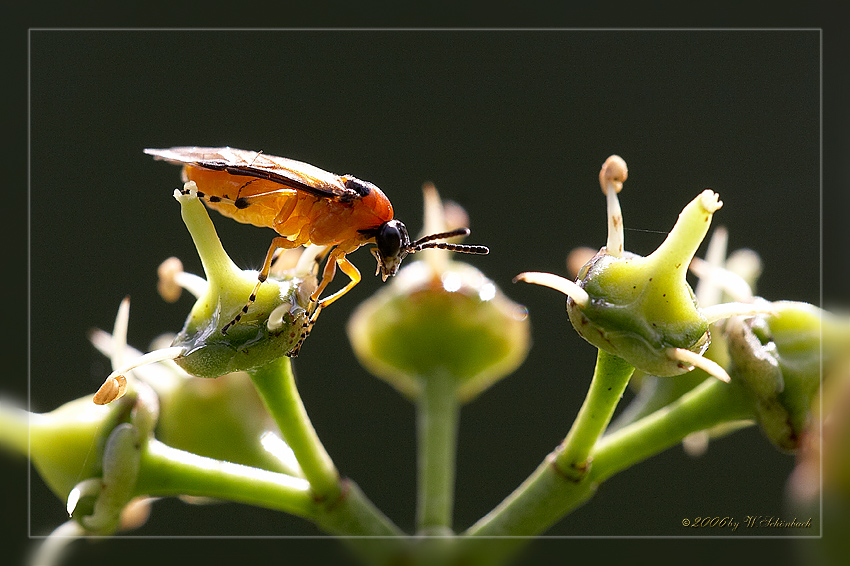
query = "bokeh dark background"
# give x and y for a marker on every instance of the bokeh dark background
(514, 125)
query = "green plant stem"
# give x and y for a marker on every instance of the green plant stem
(548, 495)
(437, 421)
(167, 471)
(610, 378)
(709, 404)
(275, 383)
(340, 507)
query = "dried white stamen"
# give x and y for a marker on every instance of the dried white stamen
(172, 281)
(611, 177)
(578, 258)
(113, 388)
(116, 383)
(558, 283)
(703, 363)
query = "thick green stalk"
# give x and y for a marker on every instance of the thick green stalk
(610, 378)
(275, 383)
(437, 421)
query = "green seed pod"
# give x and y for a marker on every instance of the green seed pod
(455, 321)
(639, 308)
(272, 327)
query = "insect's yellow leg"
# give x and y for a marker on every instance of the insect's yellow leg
(354, 278)
(327, 274)
(277, 244)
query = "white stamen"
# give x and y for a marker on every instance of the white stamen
(309, 259)
(558, 283)
(53, 549)
(714, 313)
(721, 279)
(171, 353)
(616, 240)
(709, 366)
(696, 443)
(708, 291)
(161, 377)
(172, 280)
(119, 333)
(276, 316)
(746, 264)
(195, 284)
(89, 487)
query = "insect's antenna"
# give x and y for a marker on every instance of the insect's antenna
(427, 242)
(462, 248)
(440, 236)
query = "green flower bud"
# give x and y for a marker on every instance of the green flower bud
(275, 324)
(778, 357)
(223, 419)
(457, 322)
(440, 316)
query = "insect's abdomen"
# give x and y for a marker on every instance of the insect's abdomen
(297, 215)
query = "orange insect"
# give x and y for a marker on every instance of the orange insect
(305, 205)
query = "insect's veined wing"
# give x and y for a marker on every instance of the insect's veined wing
(288, 172)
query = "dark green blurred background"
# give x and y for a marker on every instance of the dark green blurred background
(514, 125)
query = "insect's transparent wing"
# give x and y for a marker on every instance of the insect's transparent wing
(288, 172)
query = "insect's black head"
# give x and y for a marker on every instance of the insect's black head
(392, 245)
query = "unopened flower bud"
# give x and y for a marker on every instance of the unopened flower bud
(456, 321)
(779, 357)
(440, 316)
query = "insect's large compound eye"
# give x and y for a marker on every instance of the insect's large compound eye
(391, 238)
(393, 244)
